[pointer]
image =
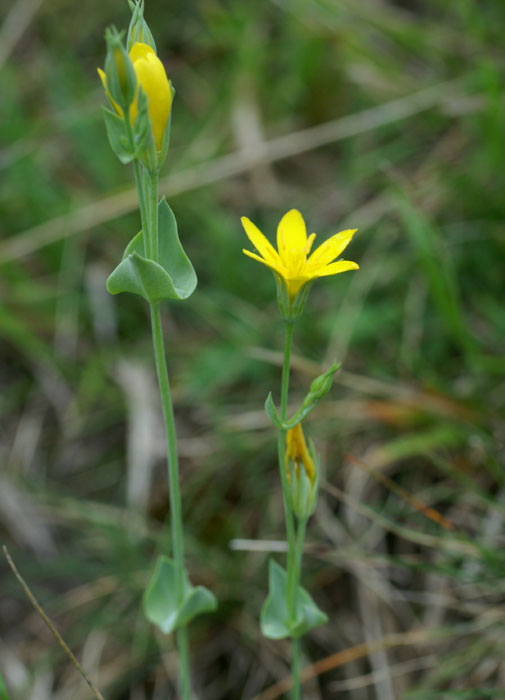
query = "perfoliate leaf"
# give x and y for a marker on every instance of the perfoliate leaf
(117, 135)
(173, 277)
(199, 600)
(271, 411)
(161, 606)
(276, 621)
(172, 256)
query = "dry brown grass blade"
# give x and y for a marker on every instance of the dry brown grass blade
(221, 168)
(340, 658)
(415, 502)
(52, 628)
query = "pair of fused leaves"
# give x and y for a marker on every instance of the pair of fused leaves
(172, 277)
(276, 621)
(162, 604)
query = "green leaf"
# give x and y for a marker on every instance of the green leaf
(161, 606)
(172, 256)
(198, 600)
(117, 135)
(275, 620)
(173, 277)
(271, 411)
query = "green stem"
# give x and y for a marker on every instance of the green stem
(288, 514)
(295, 543)
(142, 204)
(140, 191)
(175, 493)
(294, 571)
(295, 669)
(183, 647)
(173, 468)
(151, 182)
(293, 583)
(151, 243)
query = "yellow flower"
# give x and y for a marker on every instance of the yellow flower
(290, 261)
(298, 453)
(151, 76)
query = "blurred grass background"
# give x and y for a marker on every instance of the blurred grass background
(387, 116)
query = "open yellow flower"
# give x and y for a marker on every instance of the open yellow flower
(297, 451)
(151, 76)
(291, 261)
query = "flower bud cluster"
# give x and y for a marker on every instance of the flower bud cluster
(140, 92)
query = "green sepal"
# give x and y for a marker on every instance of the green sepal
(290, 308)
(275, 619)
(145, 149)
(271, 412)
(173, 277)
(120, 76)
(139, 31)
(166, 134)
(160, 598)
(117, 135)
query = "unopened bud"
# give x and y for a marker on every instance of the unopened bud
(321, 385)
(120, 78)
(138, 31)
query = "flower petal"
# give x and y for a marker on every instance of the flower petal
(152, 78)
(104, 83)
(260, 242)
(140, 50)
(331, 249)
(310, 241)
(337, 267)
(291, 236)
(276, 267)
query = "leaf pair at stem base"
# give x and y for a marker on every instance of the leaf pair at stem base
(276, 620)
(166, 607)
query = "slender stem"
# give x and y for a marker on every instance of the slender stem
(294, 571)
(151, 182)
(175, 493)
(183, 647)
(173, 468)
(137, 169)
(290, 530)
(149, 189)
(293, 583)
(295, 669)
(142, 203)
(295, 543)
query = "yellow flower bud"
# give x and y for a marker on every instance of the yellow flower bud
(152, 78)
